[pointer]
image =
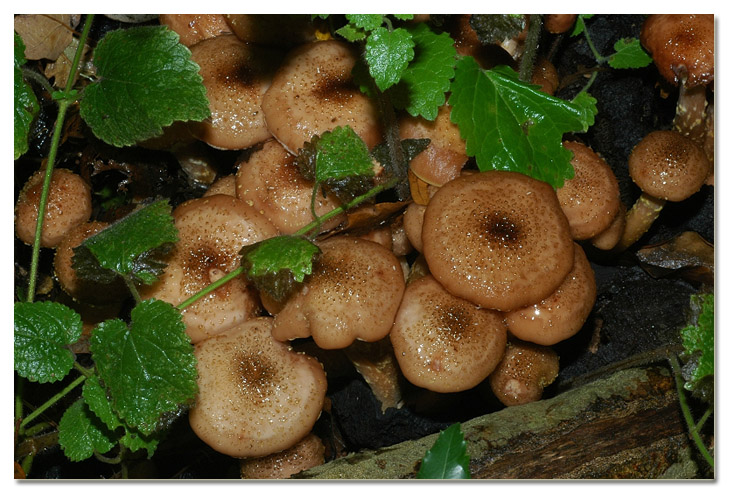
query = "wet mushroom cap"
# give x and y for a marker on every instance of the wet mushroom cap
(682, 45)
(306, 454)
(236, 75)
(69, 204)
(212, 231)
(273, 29)
(525, 370)
(497, 239)
(668, 166)
(255, 395)
(271, 183)
(193, 28)
(563, 313)
(313, 92)
(590, 200)
(353, 293)
(444, 343)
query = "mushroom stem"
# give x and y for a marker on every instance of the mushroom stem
(639, 219)
(376, 363)
(691, 112)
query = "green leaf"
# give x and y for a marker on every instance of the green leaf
(423, 84)
(351, 33)
(580, 24)
(387, 54)
(43, 330)
(341, 153)
(96, 399)
(403, 17)
(698, 338)
(146, 82)
(511, 125)
(134, 441)
(447, 459)
(26, 103)
(149, 367)
(368, 22)
(81, 433)
(132, 247)
(629, 55)
(277, 265)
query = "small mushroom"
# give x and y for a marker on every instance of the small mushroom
(193, 28)
(235, 75)
(667, 166)
(563, 313)
(558, 23)
(80, 289)
(69, 205)
(353, 293)
(445, 155)
(590, 200)
(525, 370)
(545, 75)
(271, 183)
(313, 92)
(498, 239)
(255, 395)
(609, 238)
(212, 231)
(305, 454)
(445, 343)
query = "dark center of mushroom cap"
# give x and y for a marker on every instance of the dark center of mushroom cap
(333, 87)
(502, 230)
(254, 375)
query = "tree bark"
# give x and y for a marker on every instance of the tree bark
(628, 425)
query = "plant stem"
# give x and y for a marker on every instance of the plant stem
(599, 58)
(676, 369)
(38, 411)
(55, 141)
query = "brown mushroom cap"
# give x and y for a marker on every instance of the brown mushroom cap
(193, 28)
(563, 313)
(682, 46)
(668, 166)
(590, 200)
(69, 204)
(525, 370)
(80, 289)
(610, 237)
(212, 231)
(255, 395)
(271, 182)
(273, 29)
(223, 185)
(497, 239)
(445, 343)
(558, 23)
(545, 75)
(445, 156)
(353, 293)
(305, 454)
(313, 92)
(236, 76)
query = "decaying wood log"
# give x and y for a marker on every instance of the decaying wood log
(628, 425)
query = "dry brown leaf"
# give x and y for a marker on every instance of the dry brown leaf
(61, 67)
(44, 36)
(419, 188)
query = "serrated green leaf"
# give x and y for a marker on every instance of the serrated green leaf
(511, 125)
(387, 54)
(351, 33)
(580, 24)
(97, 401)
(26, 103)
(278, 264)
(629, 55)
(81, 433)
(698, 339)
(149, 367)
(341, 153)
(132, 247)
(135, 441)
(423, 84)
(368, 22)
(403, 17)
(447, 459)
(43, 330)
(146, 82)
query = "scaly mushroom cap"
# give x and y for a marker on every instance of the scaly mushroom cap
(255, 395)
(235, 76)
(306, 454)
(668, 166)
(590, 200)
(313, 92)
(497, 239)
(193, 28)
(212, 231)
(69, 204)
(444, 343)
(525, 370)
(563, 313)
(445, 156)
(271, 182)
(353, 293)
(82, 290)
(682, 46)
